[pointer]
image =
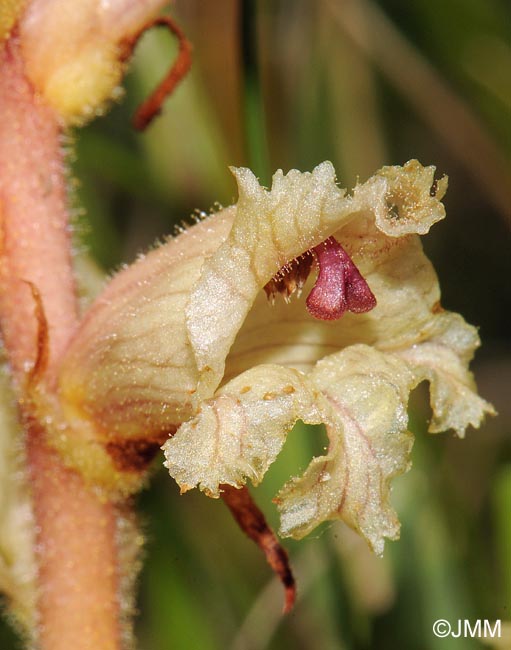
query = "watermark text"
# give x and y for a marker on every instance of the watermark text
(480, 629)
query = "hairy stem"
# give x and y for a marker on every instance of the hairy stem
(77, 570)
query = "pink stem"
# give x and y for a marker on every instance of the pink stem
(77, 581)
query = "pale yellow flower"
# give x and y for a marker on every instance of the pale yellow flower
(186, 340)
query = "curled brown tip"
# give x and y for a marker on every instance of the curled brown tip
(151, 107)
(252, 522)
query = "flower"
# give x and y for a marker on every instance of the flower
(184, 343)
(74, 53)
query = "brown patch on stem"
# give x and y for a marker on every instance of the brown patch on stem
(151, 107)
(252, 522)
(42, 346)
(134, 454)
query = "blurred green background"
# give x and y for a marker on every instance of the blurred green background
(289, 83)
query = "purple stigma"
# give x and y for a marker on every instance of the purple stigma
(340, 286)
